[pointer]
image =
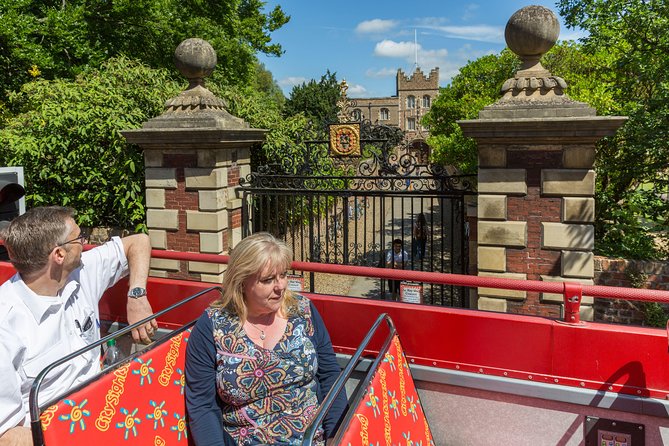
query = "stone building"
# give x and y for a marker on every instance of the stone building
(413, 98)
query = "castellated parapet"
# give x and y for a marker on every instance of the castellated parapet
(417, 80)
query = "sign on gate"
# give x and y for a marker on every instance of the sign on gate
(411, 292)
(295, 282)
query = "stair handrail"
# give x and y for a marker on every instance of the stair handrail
(35, 412)
(346, 373)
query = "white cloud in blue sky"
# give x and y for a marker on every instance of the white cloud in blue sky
(381, 72)
(390, 48)
(375, 26)
(478, 33)
(291, 81)
(366, 44)
(471, 11)
(357, 90)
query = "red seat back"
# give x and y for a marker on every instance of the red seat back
(139, 402)
(390, 411)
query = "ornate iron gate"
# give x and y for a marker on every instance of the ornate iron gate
(352, 217)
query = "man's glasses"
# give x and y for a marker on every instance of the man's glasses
(82, 239)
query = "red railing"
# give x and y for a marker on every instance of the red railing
(572, 291)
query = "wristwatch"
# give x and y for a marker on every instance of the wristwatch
(137, 292)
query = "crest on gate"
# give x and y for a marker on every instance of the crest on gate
(345, 139)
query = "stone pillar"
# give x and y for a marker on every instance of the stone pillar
(194, 155)
(536, 180)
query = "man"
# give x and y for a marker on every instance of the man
(50, 307)
(399, 259)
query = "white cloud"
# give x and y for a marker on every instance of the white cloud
(470, 11)
(479, 33)
(390, 48)
(356, 90)
(430, 21)
(572, 34)
(291, 81)
(432, 58)
(409, 51)
(383, 72)
(375, 26)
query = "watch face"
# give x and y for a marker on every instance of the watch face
(137, 292)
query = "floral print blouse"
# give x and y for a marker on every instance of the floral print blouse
(269, 396)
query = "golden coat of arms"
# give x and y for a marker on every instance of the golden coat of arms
(345, 139)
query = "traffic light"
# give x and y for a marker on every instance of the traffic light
(11, 192)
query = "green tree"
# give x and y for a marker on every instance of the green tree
(477, 85)
(633, 166)
(60, 39)
(317, 100)
(66, 136)
(264, 82)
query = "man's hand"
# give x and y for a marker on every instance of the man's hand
(137, 310)
(17, 436)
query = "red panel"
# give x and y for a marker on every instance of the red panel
(6, 271)
(390, 412)
(139, 403)
(441, 334)
(632, 360)
(162, 293)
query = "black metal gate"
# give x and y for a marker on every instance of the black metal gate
(353, 217)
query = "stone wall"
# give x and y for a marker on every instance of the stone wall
(627, 273)
(416, 84)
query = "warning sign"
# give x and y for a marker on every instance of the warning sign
(295, 282)
(411, 292)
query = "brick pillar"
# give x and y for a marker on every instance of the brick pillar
(194, 155)
(536, 181)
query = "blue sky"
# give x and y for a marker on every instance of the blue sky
(366, 42)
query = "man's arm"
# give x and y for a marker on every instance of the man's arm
(137, 249)
(17, 436)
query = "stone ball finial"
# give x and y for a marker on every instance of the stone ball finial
(531, 32)
(195, 59)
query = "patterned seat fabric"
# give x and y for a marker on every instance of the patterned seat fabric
(139, 402)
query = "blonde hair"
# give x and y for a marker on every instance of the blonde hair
(249, 258)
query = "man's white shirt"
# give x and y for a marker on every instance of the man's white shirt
(35, 331)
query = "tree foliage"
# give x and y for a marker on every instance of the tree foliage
(75, 72)
(317, 100)
(66, 136)
(633, 166)
(286, 135)
(264, 82)
(59, 39)
(477, 85)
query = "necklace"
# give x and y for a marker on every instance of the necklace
(262, 332)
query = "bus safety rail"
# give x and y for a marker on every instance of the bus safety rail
(572, 292)
(35, 412)
(339, 384)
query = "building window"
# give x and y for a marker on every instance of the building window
(411, 102)
(384, 114)
(426, 101)
(357, 114)
(411, 123)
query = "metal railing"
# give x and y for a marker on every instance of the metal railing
(571, 291)
(339, 384)
(35, 410)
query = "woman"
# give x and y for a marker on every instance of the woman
(259, 359)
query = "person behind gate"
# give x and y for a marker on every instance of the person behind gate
(49, 308)
(396, 258)
(419, 237)
(259, 360)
